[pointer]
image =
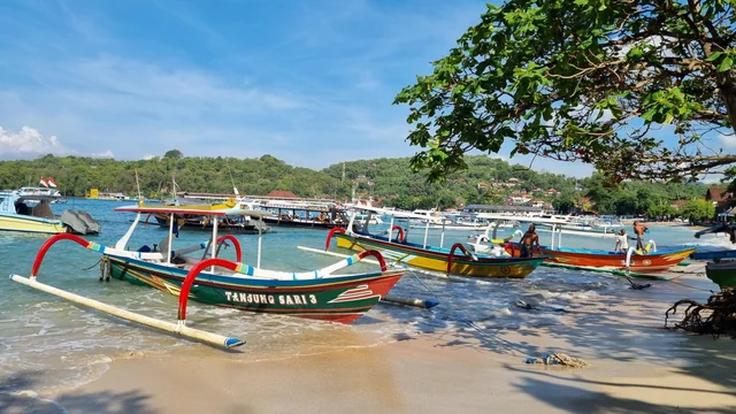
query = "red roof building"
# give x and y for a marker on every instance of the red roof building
(282, 194)
(720, 196)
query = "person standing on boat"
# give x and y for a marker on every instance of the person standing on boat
(622, 242)
(639, 230)
(528, 240)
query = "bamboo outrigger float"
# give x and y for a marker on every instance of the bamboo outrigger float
(318, 294)
(427, 257)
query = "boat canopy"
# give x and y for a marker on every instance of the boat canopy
(195, 210)
(393, 213)
(522, 219)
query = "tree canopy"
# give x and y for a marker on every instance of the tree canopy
(597, 81)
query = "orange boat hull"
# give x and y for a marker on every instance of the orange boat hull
(654, 262)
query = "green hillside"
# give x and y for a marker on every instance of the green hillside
(388, 180)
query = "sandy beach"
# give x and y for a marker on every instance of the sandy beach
(634, 365)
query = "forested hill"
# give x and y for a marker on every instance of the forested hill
(389, 180)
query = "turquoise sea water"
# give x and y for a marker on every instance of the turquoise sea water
(72, 345)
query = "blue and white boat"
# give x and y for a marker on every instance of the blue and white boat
(25, 211)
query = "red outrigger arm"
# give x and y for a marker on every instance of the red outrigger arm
(375, 254)
(456, 246)
(331, 234)
(236, 243)
(186, 286)
(62, 236)
(402, 234)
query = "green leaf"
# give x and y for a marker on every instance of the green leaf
(714, 56)
(726, 64)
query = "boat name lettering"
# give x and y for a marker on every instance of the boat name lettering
(262, 298)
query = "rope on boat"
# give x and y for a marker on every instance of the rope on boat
(92, 266)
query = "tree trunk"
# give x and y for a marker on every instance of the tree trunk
(728, 93)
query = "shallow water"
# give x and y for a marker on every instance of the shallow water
(72, 345)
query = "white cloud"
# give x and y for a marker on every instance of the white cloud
(104, 154)
(149, 157)
(27, 142)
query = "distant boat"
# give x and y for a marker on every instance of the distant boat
(28, 210)
(39, 192)
(96, 194)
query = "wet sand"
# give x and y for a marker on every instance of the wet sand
(634, 366)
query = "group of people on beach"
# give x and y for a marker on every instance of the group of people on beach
(530, 239)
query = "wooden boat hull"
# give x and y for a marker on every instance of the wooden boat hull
(29, 224)
(437, 261)
(722, 273)
(341, 300)
(655, 262)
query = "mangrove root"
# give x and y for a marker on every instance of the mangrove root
(716, 317)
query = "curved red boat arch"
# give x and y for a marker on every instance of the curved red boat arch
(456, 246)
(50, 242)
(402, 234)
(235, 242)
(377, 255)
(192, 274)
(332, 232)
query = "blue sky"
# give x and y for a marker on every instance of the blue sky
(308, 82)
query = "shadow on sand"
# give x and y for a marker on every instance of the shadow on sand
(17, 396)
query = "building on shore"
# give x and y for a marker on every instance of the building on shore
(721, 198)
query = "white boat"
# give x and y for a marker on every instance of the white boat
(39, 192)
(23, 210)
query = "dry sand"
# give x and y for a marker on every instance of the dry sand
(634, 366)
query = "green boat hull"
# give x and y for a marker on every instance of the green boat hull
(724, 275)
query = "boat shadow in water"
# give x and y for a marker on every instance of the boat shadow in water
(17, 396)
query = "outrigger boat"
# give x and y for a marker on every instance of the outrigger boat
(422, 255)
(638, 261)
(632, 260)
(319, 294)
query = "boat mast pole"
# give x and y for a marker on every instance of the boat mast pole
(442, 235)
(554, 228)
(391, 229)
(171, 234)
(559, 238)
(260, 239)
(214, 241)
(426, 234)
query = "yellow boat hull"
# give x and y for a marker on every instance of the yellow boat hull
(30, 225)
(438, 262)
